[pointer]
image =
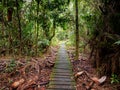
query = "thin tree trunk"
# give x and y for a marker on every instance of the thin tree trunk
(37, 28)
(77, 31)
(10, 42)
(53, 33)
(19, 30)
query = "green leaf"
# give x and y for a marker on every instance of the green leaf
(117, 42)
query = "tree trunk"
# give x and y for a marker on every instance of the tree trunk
(37, 28)
(77, 31)
(53, 33)
(10, 42)
(19, 29)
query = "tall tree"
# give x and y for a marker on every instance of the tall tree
(77, 30)
(37, 27)
(19, 27)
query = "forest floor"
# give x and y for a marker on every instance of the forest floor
(27, 73)
(83, 72)
(34, 73)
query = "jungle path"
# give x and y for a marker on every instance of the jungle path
(61, 77)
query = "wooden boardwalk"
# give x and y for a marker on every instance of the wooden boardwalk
(61, 77)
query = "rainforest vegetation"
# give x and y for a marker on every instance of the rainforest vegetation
(32, 27)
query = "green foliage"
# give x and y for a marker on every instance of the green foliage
(61, 34)
(114, 79)
(105, 36)
(11, 66)
(117, 42)
(43, 43)
(39, 20)
(55, 42)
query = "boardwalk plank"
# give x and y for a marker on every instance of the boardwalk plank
(61, 77)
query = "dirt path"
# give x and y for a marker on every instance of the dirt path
(62, 72)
